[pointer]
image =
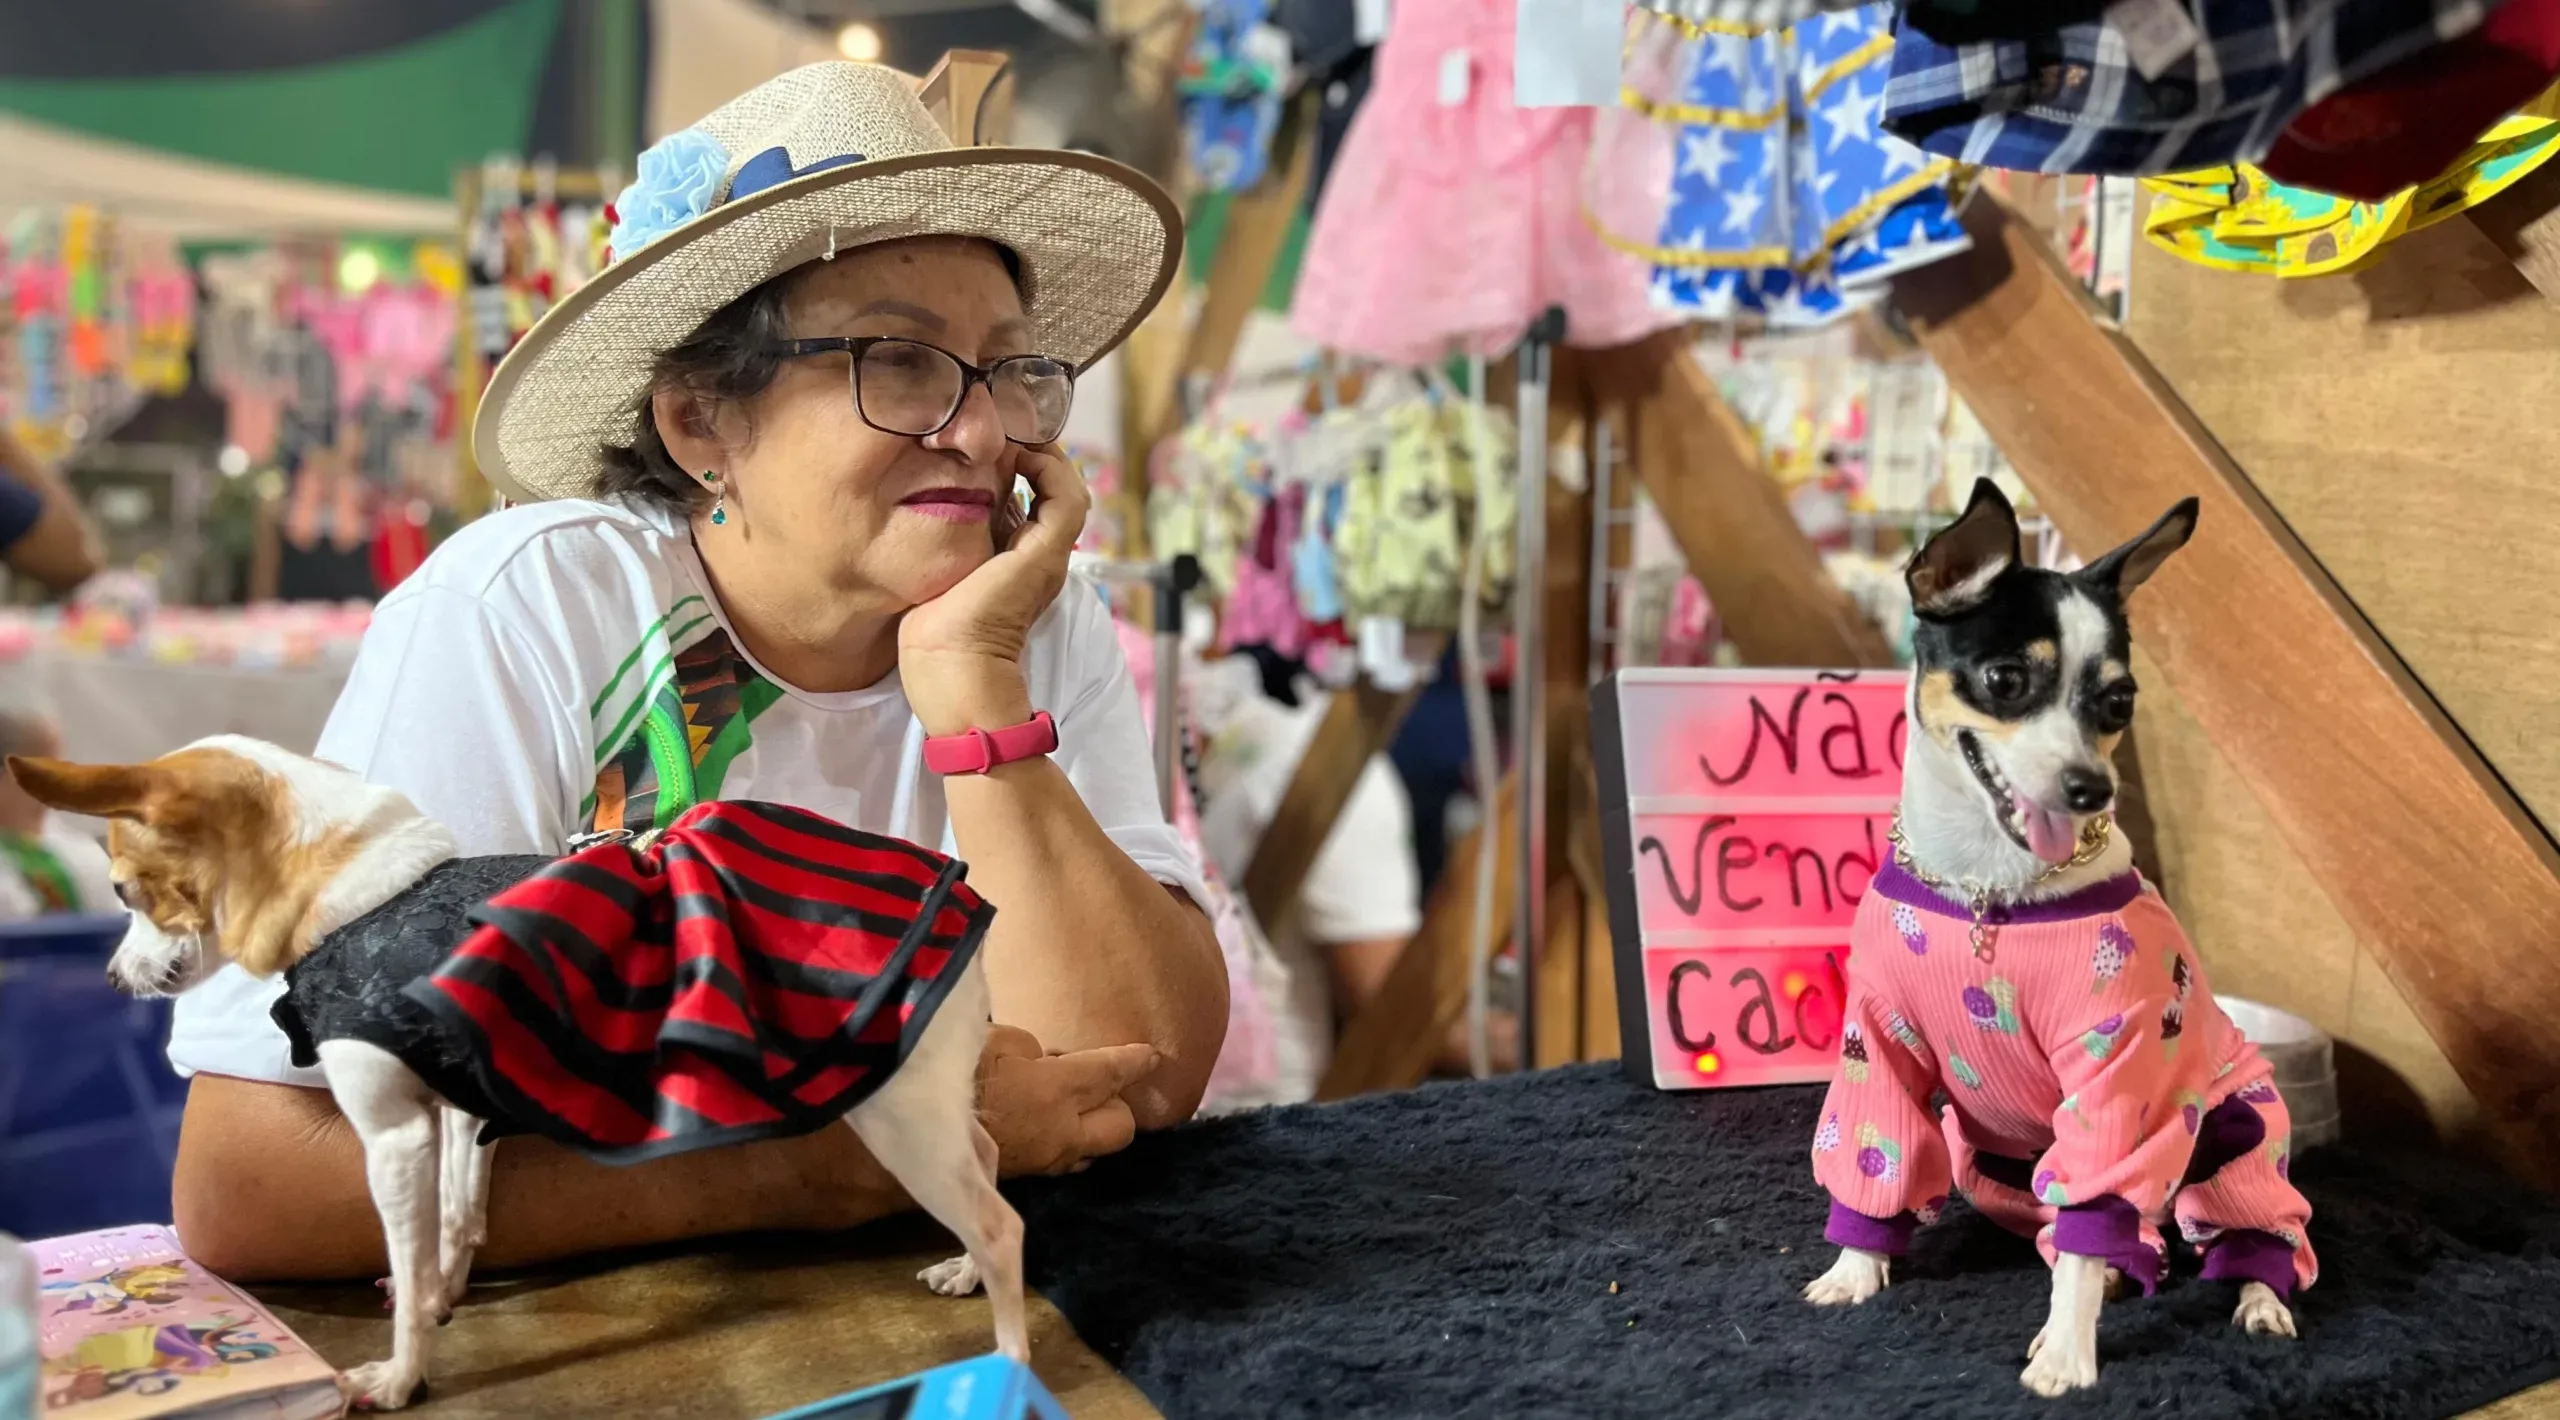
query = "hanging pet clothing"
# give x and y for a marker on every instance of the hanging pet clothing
(2071, 96)
(1335, 59)
(1453, 218)
(1262, 609)
(1745, 14)
(1199, 503)
(2237, 218)
(2410, 122)
(1784, 199)
(1402, 547)
(756, 971)
(1230, 93)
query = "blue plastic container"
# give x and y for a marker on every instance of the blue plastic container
(88, 1104)
(988, 1388)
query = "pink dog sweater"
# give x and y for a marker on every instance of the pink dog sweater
(2081, 1086)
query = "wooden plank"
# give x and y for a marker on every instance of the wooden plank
(591, 1340)
(955, 91)
(1560, 995)
(1703, 470)
(1565, 584)
(1358, 725)
(1257, 226)
(2540, 1403)
(2523, 222)
(2425, 852)
(1391, 1043)
(1599, 982)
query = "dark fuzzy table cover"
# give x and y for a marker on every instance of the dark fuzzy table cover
(1570, 1244)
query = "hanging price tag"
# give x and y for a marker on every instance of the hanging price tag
(1369, 20)
(2157, 33)
(1456, 73)
(1566, 54)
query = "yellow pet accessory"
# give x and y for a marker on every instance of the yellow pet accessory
(2236, 218)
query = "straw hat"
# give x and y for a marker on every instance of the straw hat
(819, 160)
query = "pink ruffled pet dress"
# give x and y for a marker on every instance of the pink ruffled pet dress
(1446, 228)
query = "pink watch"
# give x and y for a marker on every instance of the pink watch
(977, 751)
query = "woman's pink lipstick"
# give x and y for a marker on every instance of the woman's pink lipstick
(956, 505)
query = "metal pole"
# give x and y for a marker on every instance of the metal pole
(1528, 668)
(1603, 524)
(1172, 581)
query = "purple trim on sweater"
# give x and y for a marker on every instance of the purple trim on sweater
(1850, 1228)
(2248, 1255)
(2228, 1131)
(2095, 900)
(2109, 1228)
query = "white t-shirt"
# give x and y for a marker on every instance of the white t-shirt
(507, 687)
(1363, 886)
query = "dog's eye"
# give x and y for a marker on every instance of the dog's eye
(2115, 706)
(2004, 682)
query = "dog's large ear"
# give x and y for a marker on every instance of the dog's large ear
(2131, 565)
(1954, 570)
(103, 790)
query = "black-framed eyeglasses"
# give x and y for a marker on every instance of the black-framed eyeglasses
(903, 386)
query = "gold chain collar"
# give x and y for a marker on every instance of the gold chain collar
(1977, 899)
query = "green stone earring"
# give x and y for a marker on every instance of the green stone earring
(720, 502)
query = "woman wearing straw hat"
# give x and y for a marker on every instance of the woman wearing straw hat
(767, 548)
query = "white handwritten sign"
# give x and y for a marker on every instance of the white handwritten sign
(1744, 816)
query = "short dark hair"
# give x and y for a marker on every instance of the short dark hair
(729, 358)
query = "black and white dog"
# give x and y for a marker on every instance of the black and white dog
(2022, 688)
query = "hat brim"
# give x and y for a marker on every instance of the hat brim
(1098, 244)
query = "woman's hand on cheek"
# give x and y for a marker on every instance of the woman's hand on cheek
(960, 654)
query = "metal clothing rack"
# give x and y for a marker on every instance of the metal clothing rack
(1170, 582)
(1528, 681)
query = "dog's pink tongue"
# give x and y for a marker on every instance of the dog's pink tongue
(2049, 833)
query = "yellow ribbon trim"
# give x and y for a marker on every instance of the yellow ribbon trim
(1848, 64)
(1882, 201)
(1700, 29)
(1733, 118)
(1665, 109)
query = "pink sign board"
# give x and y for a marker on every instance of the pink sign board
(1745, 814)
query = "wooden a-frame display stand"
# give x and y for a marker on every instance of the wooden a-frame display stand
(2425, 850)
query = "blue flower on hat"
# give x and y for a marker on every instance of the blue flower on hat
(679, 175)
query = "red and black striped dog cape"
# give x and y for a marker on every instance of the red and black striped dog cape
(756, 971)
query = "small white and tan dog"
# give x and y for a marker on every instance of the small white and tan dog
(234, 850)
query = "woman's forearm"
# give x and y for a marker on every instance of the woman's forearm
(1087, 950)
(270, 1186)
(61, 551)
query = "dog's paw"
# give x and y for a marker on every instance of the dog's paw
(1851, 1280)
(2262, 1312)
(377, 1385)
(2059, 1368)
(956, 1278)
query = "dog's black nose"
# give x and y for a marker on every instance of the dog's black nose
(2086, 791)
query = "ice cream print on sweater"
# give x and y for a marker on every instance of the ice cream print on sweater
(2094, 1091)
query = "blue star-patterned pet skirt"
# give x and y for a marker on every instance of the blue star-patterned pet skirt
(1780, 193)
